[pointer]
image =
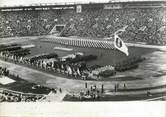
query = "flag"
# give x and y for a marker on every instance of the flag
(120, 45)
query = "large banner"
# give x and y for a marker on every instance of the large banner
(120, 45)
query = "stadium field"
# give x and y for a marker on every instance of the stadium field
(104, 56)
(149, 74)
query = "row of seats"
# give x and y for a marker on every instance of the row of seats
(143, 25)
(13, 96)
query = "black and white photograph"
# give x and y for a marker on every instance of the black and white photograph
(82, 51)
(112, 51)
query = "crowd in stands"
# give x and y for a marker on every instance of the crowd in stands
(143, 24)
(14, 96)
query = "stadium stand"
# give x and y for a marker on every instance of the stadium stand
(145, 22)
(15, 96)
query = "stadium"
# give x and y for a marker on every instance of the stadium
(68, 52)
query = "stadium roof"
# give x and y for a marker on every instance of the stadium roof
(6, 3)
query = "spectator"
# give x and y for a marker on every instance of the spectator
(144, 25)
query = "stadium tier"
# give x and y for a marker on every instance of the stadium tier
(145, 21)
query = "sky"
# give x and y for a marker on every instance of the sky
(29, 2)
